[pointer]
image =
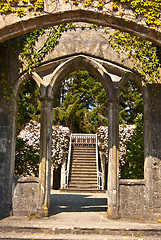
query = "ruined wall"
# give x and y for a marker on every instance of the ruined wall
(131, 193)
(6, 165)
(5, 203)
(25, 196)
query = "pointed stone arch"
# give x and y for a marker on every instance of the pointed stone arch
(82, 63)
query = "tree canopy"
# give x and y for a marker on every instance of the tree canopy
(81, 103)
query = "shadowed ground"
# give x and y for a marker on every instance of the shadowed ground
(78, 202)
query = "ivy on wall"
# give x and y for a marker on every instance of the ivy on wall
(6, 89)
(15, 6)
(149, 9)
(31, 57)
(144, 54)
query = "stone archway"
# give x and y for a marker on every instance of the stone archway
(94, 67)
(12, 25)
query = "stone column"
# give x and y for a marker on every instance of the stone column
(45, 151)
(152, 138)
(148, 158)
(113, 164)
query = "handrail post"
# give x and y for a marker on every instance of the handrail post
(68, 163)
(98, 177)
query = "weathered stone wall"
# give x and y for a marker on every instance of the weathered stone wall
(25, 196)
(131, 193)
(89, 42)
(3, 167)
(5, 163)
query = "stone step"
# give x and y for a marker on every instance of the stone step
(84, 171)
(90, 151)
(90, 164)
(83, 180)
(85, 161)
(86, 185)
(83, 165)
(86, 188)
(81, 233)
(81, 156)
(84, 152)
(84, 176)
(82, 190)
(84, 157)
(87, 182)
(83, 185)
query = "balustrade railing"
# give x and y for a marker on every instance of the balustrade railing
(79, 139)
(83, 139)
(68, 163)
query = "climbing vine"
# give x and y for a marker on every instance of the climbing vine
(31, 57)
(143, 54)
(150, 9)
(15, 6)
(5, 87)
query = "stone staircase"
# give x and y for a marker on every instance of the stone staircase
(83, 169)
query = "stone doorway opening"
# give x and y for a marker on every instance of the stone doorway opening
(72, 198)
(82, 107)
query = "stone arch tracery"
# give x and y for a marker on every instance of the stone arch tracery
(48, 88)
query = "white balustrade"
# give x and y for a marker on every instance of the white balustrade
(79, 139)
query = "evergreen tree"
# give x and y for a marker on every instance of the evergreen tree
(131, 103)
(82, 103)
(29, 105)
(134, 157)
(131, 112)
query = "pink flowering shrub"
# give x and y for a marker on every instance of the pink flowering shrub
(31, 134)
(125, 133)
(60, 144)
(31, 138)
